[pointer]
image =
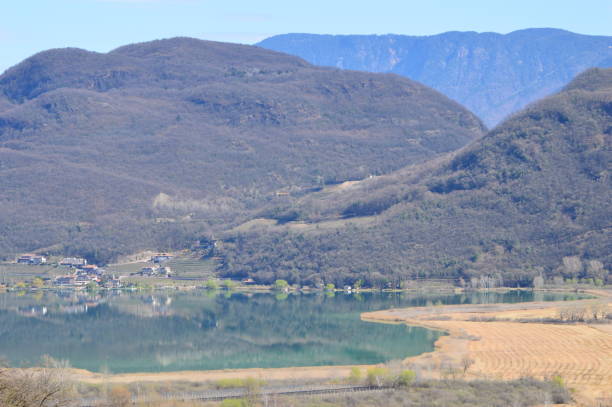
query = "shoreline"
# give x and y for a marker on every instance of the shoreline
(504, 341)
(424, 289)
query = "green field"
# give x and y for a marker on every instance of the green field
(11, 273)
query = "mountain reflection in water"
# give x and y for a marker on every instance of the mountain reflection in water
(200, 330)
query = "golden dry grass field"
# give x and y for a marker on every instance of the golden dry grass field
(501, 347)
(272, 374)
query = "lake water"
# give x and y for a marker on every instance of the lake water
(198, 330)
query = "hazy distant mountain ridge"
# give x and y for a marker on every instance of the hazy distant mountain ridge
(153, 144)
(491, 74)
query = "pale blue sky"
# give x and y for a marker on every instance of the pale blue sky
(29, 26)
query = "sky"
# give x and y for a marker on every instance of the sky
(30, 26)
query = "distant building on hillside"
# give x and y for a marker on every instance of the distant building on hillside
(155, 271)
(112, 282)
(83, 279)
(89, 268)
(31, 259)
(73, 262)
(148, 271)
(161, 257)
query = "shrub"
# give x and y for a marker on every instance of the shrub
(378, 376)
(405, 378)
(120, 396)
(558, 380)
(212, 285)
(249, 383)
(228, 284)
(355, 375)
(234, 403)
(560, 394)
(47, 386)
(229, 383)
(92, 287)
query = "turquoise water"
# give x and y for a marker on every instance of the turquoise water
(138, 332)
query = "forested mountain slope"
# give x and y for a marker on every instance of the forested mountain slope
(153, 144)
(491, 74)
(531, 197)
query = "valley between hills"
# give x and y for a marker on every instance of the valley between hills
(178, 209)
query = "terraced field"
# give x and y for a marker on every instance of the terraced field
(507, 349)
(192, 268)
(183, 267)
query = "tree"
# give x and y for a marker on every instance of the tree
(538, 282)
(378, 376)
(21, 285)
(599, 311)
(466, 363)
(92, 287)
(228, 284)
(253, 388)
(212, 284)
(572, 265)
(281, 285)
(330, 287)
(47, 386)
(38, 282)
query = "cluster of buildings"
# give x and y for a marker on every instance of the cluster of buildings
(82, 274)
(157, 269)
(161, 258)
(155, 272)
(73, 262)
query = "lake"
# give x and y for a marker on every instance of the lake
(198, 330)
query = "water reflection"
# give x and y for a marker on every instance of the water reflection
(164, 331)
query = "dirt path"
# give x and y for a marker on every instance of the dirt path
(507, 349)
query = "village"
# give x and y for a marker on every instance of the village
(79, 273)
